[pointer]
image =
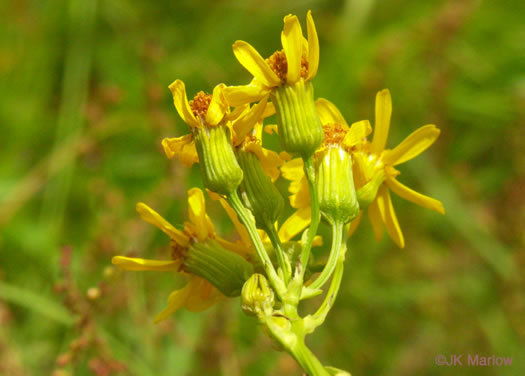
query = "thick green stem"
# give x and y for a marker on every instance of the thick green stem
(290, 333)
(307, 360)
(249, 222)
(281, 257)
(335, 251)
(316, 215)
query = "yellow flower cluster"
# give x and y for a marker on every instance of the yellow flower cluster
(371, 159)
(226, 139)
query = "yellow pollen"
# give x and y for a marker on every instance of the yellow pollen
(333, 134)
(200, 103)
(278, 64)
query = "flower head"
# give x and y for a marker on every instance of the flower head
(299, 59)
(374, 159)
(207, 110)
(198, 294)
(338, 134)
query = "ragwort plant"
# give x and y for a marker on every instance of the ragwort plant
(335, 174)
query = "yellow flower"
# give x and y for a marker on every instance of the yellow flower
(198, 294)
(298, 60)
(336, 131)
(378, 159)
(207, 110)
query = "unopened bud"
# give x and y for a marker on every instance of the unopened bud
(259, 193)
(335, 185)
(257, 297)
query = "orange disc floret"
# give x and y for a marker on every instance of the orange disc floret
(178, 253)
(334, 134)
(278, 64)
(304, 67)
(200, 103)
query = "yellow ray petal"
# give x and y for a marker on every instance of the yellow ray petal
(376, 220)
(382, 125)
(203, 295)
(357, 133)
(269, 110)
(239, 95)
(218, 106)
(292, 41)
(237, 247)
(384, 202)
(175, 301)
(313, 46)
(241, 230)
(252, 61)
(417, 198)
(300, 193)
(271, 129)
(296, 223)
(180, 100)
(329, 113)
(181, 147)
(416, 143)
(237, 112)
(293, 170)
(140, 264)
(245, 124)
(198, 216)
(355, 223)
(151, 216)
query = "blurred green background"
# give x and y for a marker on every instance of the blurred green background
(84, 104)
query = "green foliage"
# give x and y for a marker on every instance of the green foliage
(84, 104)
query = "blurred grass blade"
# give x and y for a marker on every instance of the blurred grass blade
(73, 100)
(495, 254)
(35, 302)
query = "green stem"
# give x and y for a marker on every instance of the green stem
(292, 340)
(281, 258)
(317, 319)
(307, 360)
(316, 215)
(337, 244)
(248, 221)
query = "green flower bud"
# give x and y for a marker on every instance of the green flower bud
(335, 185)
(224, 269)
(259, 193)
(300, 129)
(257, 297)
(220, 171)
